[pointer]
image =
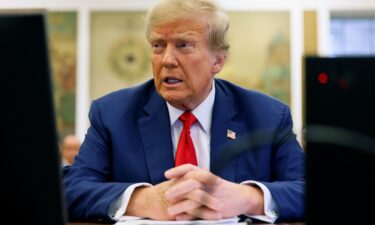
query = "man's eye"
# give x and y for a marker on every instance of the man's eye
(184, 45)
(156, 45)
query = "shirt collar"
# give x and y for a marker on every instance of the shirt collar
(203, 112)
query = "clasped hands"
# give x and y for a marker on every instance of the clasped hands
(194, 193)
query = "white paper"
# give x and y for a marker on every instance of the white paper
(131, 220)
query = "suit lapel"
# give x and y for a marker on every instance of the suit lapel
(156, 136)
(222, 120)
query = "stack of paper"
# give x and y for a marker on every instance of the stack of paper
(131, 220)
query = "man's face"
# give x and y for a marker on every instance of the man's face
(70, 149)
(183, 65)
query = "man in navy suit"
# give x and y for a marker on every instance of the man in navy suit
(248, 159)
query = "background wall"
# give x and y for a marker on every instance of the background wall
(119, 55)
(98, 47)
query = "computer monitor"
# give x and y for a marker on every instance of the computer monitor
(340, 139)
(30, 158)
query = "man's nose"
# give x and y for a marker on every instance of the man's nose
(169, 57)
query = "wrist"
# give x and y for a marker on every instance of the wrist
(254, 199)
(138, 205)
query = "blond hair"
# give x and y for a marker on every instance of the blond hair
(167, 11)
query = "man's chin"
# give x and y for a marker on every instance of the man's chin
(178, 102)
(174, 101)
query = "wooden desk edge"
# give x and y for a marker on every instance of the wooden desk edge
(253, 224)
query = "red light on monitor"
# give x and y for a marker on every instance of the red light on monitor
(323, 78)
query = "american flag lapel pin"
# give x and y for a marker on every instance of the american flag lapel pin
(231, 134)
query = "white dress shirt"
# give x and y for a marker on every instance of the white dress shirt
(201, 135)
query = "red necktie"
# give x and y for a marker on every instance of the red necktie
(185, 150)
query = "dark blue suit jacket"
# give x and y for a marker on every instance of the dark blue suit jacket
(129, 141)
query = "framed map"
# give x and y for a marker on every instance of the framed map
(259, 56)
(62, 35)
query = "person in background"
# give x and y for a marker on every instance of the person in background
(69, 149)
(186, 145)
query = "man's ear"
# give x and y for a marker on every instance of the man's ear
(220, 59)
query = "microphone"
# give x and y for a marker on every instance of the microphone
(248, 142)
(314, 134)
(341, 137)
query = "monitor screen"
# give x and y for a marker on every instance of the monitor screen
(30, 164)
(340, 139)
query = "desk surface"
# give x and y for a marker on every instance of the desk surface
(254, 224)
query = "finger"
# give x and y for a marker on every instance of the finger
(205, 214)
(182, 207)
(205, 199)
(182, 188)
(199, 196)
(203, 176)
(179, 171)
(185, 217)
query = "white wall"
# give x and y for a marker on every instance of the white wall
(295, 7)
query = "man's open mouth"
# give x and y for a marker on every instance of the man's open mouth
(172, 80)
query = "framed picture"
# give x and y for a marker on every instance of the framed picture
(259, 56)
(119, 51)
(62, 35)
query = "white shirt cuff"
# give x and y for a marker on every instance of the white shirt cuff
(119, 205)
(270, 207)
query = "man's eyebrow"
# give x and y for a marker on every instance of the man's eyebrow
(178, 36)
(184, 35)
(155, 38)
